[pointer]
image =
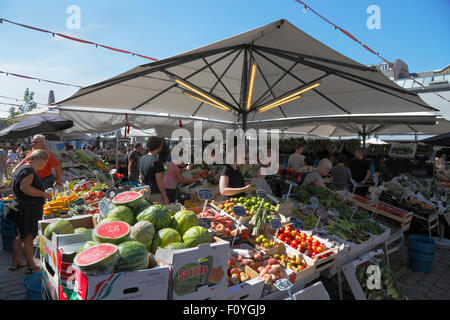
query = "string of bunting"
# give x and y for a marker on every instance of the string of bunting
(76, 39)
(38, 79)
(348, 34)
(18, 100)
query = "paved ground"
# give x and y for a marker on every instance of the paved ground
(417, 285)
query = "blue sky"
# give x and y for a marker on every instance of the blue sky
(414, 31)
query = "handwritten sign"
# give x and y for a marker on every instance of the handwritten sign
(239, 211)
(205, 194)
(297, 223)
(275, 224)
(261, 194)
(204, 222)
(104, 207)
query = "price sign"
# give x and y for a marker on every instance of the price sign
(113, 171)
(261, 194)
(104, 207)
(297, 223)
(283, 284)
(314, 202)
(205, 194)
(275, 200)
(346, 193)
(76, 187)
(204, 222)
(239, 211)
(375, 181)
(68, 193)
(291, 183)
(112, 194)
(83, 181)
(275, 224)
(95, 172)
(66, 184)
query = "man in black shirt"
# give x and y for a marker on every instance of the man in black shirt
(151, 169)
(133, 162)
(360, 167)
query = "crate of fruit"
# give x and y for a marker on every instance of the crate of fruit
(316, 252)
(223, 225)
(296, 265)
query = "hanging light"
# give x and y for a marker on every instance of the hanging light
(251, 85)
(211, 101)
(287, 99)
(221, 107)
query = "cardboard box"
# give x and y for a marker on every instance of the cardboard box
(197, 273)
(248, 290)
(149, 284)
(56, 263)
(316, 291)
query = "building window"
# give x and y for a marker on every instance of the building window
(384, 67)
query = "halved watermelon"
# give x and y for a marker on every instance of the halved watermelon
(87, 245)
(97, 260)
(131, 199)
(114, 232)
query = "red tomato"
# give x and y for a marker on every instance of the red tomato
(282, 229)
(316, 242)
(294, 243)
(309, 238)
(319, 249)
(303, 235)
(298, 239)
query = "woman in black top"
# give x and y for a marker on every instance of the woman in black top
(29, 199)
(231, 182)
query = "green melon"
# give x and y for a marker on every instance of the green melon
(131, 199)
(133, 256)
(143, 231)
(141, 207)
(123, 213)
(114, 232)
(58, 227)
(176, 246)
(97, 260)
(183, 220)
(165, 237)
(86, 245)
(158, 215)
(196, 236)
(110, 219)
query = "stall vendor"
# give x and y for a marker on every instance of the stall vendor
(231, 182)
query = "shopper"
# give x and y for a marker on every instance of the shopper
(133, 158)
(308, 165)
(20, 154)
(296, 159)
(151, 170)
(315, 177)
(45, 174)
(360, 167)
(11, 157)
(231, 181)
(172, 177)
(29, 197)
(342, 176)
(3, 164)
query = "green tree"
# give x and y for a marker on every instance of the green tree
(29, 102)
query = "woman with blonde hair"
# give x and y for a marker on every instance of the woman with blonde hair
(29, 198)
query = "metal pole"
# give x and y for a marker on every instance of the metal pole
(117, 148)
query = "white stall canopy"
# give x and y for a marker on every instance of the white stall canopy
(273, 72)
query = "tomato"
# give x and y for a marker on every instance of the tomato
(314, 248)
(282, 229)
(287, 233)
(288, 228)
(316, 242)
(298, 239)
(319, 249)
(300, 268)
(305, 246)
(309, 238)
(303, 235)
(294, 243)
(300, 248)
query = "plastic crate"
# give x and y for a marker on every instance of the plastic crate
(419, 266)
(33, 284)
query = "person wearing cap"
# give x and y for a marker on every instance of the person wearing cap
(45, 174)
(342, 176)
(315, 176)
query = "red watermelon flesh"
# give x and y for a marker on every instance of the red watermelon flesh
(114, 232)
(130, 199)
(98, 260)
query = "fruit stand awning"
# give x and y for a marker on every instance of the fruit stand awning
(356, 124)
(275, 71)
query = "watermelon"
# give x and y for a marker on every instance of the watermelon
(158, 215)
(196, 236)
(141, 207)
(183, 220)
(165, 237)
(58, 227)
(133, 256)
(110, 219)
(86, 245)
(143, 231)
(131, 199)
(97, 260)
(176, 246)
(112, 232)
(123, 213)
(79, 230)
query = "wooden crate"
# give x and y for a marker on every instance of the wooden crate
(402, 221)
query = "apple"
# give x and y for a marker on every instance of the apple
(234, 278)
(235, 271)
(244, 277)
